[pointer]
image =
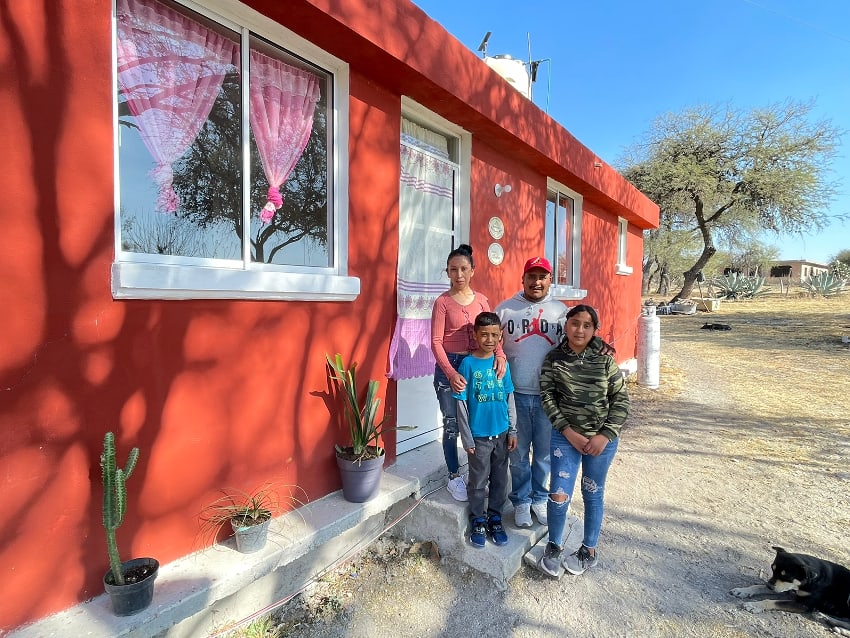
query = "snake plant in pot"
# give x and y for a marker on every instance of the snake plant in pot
(129, 584)
(362, 462)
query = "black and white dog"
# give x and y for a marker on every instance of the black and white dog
(811, 584)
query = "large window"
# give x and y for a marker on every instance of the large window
(230, 141)
(563, 240)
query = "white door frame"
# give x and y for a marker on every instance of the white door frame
(416, 400)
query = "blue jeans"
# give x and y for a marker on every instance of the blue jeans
(594, 470)
(530, 459)
(448, 407)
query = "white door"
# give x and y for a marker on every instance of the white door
(427, 224)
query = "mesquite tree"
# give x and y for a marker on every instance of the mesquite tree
(721, 173)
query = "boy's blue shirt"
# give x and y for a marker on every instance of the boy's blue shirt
(486, 396)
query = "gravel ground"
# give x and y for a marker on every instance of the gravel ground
(710, 474)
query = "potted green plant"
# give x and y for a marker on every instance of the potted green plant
(129, 584)
(247, 514)
(360, 463)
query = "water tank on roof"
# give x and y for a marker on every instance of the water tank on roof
(512, 70)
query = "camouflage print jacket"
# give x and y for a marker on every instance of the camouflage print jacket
(586, 392)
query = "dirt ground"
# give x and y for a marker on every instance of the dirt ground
(744, 446)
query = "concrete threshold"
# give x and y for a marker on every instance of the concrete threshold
(205, 593)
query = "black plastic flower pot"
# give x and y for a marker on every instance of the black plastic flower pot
(137, 591)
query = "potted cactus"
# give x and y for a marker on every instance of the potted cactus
(129, 584)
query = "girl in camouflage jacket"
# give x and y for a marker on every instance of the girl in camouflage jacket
(584, 395)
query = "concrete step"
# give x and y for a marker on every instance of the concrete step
(441, 519)
(204, 593)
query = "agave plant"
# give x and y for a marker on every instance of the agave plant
(361, 415)
(737, 286)
(825, 284)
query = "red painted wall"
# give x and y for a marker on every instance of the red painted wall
(616, 297)
(213, 393)
(224, 393)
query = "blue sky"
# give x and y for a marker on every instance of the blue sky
(617, 65)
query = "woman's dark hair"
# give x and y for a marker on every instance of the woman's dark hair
(464, 250)
(585, 308)
(487, 319)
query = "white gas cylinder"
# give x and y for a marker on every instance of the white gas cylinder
(649, 348)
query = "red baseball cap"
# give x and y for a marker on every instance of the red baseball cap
(537, 262)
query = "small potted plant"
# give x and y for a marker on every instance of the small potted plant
(247, 514)
(362, 462)
(129, 584)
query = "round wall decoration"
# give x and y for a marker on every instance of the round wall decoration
(495, 253)
(496, 228)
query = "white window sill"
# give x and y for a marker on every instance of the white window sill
(567, 293)
(168, 281)
(622, 269)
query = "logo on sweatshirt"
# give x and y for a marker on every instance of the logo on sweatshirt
(535, 327)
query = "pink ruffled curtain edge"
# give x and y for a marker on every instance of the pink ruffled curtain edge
(276, 176)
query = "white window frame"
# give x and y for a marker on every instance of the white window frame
(572, 291)
(622, 267)
(140, 276)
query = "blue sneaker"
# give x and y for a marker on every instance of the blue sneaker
(496, 530)
(478, 534)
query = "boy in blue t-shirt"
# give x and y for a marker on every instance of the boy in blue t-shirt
(486, 417)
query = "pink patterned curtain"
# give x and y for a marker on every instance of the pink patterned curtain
(283, 99)
(170, 69)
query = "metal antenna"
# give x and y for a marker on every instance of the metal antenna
(483, 46)
(533, 66)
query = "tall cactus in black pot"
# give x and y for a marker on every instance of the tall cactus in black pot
(115, 499)
(130, 584)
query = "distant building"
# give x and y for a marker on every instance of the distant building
(796, 270)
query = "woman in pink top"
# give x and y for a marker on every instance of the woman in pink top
(452, 319)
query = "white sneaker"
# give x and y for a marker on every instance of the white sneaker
(522, 515)
(457, 488)
(539, 510)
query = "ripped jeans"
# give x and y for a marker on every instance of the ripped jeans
(448, 408)
(566, 461)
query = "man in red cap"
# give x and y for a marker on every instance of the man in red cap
(532, 324)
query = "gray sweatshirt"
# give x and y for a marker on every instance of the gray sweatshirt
(529, 331)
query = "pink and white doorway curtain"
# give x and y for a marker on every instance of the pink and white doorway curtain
(426, 221)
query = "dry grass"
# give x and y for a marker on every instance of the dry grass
(783, 361)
